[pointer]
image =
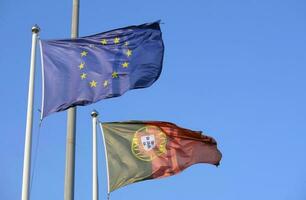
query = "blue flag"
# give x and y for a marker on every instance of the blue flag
(85, 70)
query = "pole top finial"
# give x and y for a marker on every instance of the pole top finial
(94, 113)
(35, 28)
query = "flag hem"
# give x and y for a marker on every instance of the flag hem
(115, 29)
(106, 158)
(43, 80)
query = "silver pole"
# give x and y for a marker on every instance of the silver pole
(71, 120)
(94, 115)
(29, 125)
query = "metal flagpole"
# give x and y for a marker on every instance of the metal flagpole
(29, 125)
(94, 115)
(71, 120)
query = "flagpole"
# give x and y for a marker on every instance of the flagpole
(28, 135)
(94, 116)
(71, 121)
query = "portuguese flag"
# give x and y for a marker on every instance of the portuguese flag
(142, 150)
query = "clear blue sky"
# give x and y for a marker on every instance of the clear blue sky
(234, 69)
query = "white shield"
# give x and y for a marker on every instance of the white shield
(148, 142)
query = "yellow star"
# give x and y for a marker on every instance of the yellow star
(129, 53)
(105, 83)
(116, 40)
(125, 64)
(84, 53)
(93, 83)
(115, 75)
(126, 43)
(83, 76)
(104, 41)
(82, 65)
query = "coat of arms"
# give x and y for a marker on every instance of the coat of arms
(148, 143)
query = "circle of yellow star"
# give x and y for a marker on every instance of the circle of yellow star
(116, 40)
(104, 41)
(93, 83)
(83, 76)
(84, 53)
(105, 83)
(129, 53)
(82, 65)
(125, 64)
(115, 75)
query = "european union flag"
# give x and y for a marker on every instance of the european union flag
(85, 70)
